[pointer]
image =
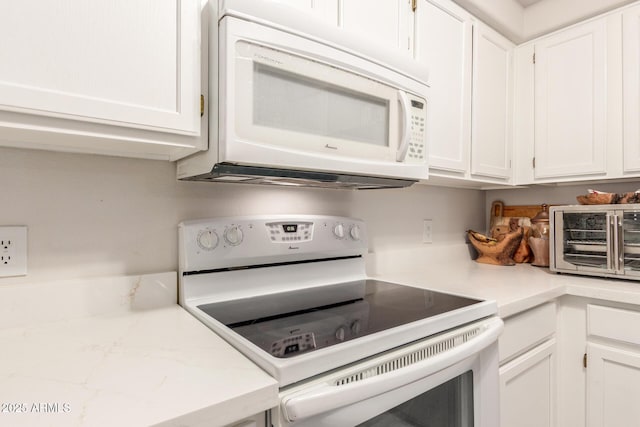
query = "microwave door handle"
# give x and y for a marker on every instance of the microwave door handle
(406, 121)
(327, 396)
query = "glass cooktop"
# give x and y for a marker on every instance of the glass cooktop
(291, 323)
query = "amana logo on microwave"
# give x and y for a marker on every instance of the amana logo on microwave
(267, 59)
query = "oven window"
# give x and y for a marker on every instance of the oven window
(448, 405)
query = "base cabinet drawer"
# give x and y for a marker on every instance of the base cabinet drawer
(613, 323)
(527, 329)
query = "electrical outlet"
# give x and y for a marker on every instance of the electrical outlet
(13, 251)
(426, 231)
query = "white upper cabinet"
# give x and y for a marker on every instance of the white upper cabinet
(129, 63)
(471, 93)
(491, 138)
(444, 43)
(382, 21)
(108, 77)
(570, 102)
(326, 10)
(631, 84)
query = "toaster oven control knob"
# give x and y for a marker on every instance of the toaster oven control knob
(233, 235)
(340, 333)
(356, 327)
(208, 239)
(338, 230)
(355, 232)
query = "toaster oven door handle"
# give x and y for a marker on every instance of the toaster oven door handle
(328, 396)
(619, 243)
(406, 124)
(611, 243)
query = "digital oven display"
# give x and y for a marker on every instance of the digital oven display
(290, 228)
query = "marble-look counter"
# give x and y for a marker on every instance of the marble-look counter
(514, 288)
(118, 352)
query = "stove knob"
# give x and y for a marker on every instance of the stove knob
(340, 333)
(355, 232)
(208, 240)
(233, 235)
(356, 327)
(338, 230)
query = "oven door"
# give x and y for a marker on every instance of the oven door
(447, 381)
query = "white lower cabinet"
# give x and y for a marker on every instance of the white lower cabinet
(613, 386)
(528, 377)
(257, 420)
(613, 366)
(527, 388)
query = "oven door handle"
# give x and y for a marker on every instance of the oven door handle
(328, 396)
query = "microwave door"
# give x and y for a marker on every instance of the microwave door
(585, 241)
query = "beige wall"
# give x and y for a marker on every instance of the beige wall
(101, 216)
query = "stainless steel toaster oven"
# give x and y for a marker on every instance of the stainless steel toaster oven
(596, 240)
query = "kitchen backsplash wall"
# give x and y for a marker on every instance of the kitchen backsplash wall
(105, 216)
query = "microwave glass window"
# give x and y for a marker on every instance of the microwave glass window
(292, 102)
(585, 239)
(448, 405)
(631, 236)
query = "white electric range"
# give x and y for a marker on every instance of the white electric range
(291, 293)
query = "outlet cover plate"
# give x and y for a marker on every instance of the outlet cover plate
(13, 251)
(427, 229)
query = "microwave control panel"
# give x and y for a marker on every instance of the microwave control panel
(417, 141)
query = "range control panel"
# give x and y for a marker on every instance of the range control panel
(244, 241)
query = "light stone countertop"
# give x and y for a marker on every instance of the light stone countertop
(514, 288)
(125, 361)
(119, 351)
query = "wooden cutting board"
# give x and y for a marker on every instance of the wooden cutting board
(499, 209)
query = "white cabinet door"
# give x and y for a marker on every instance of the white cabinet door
(613, 386)
(132, 63)
(326, 10)
(491, 137)
(528, 388)
(443, 42)
(570, 102)
(382, 21)
(631, 84)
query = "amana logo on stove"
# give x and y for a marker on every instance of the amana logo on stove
(294, 247)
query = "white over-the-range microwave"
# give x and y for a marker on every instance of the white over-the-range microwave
(296, 101)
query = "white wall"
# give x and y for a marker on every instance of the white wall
(102, 216)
